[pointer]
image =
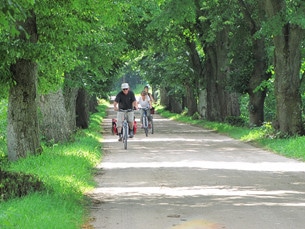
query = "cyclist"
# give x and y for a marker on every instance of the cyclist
(146, 89)
(144, 101)
(125, 100)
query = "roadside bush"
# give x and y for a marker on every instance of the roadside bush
(16, 184)
(184, 112)
(235, 121)
(196, 116)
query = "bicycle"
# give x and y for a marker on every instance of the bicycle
(125, 127)
(145, 122)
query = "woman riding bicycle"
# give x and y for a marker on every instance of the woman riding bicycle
(144, 101)
(125, 100)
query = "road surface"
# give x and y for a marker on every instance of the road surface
(187, 177)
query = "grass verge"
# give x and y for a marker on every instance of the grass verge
(67, 172)
(262, 137)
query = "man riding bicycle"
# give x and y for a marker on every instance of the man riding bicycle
(125, 100)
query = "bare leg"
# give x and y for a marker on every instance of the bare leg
(130, 125)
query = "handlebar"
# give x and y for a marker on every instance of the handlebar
(128, 110)
(144, 108)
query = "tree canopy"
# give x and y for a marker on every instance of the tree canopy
(224, 48)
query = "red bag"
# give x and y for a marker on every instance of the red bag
(152, 110)
(114, 129)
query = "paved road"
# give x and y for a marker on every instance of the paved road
(187, 177)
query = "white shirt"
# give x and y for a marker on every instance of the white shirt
(144, 103)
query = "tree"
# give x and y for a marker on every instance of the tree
(22, 131)
(286, 24)
(176, 41)
(249, 59)
(48, 35)
(213, 23)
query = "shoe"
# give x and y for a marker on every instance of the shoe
(120, 137)
(131, 133)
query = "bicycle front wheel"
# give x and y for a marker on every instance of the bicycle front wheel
(152, 125)
(125, 136)
(145, 124)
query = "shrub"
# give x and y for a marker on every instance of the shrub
(235, 121)
(13, 184)
(196, 116)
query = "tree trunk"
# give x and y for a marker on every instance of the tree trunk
(175, 105)
(287, 80)
(287, 62)
(257, 97)
(164, 100)
(191, 101)
(254, 19)
(70, 95)
(213, 111)
(93, 103)
(54, 125)
(82, 109)
(202, 103)
(22, 126)
(256, 107)
(220, 103)
(193, 86)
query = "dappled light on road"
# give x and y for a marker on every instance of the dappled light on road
(172, 139)
(194, 191)
(198, 224)
(186, 177)
(245, 166)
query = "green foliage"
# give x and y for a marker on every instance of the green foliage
(184, 112)
(196, 116)
(257, 133)
(79, 34)
(241, 60)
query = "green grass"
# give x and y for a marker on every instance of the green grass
(41, 210)
(263, 137)
(67, 171)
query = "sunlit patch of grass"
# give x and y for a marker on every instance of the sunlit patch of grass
(290, 147)
(41, 210)
(67, 172)
(253, 135)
